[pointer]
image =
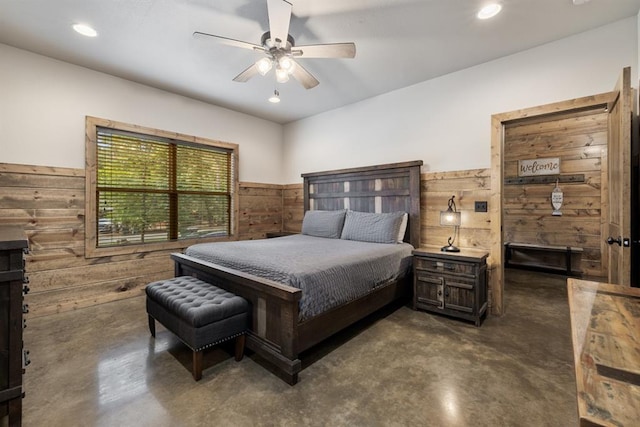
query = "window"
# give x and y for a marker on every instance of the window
(155, 188)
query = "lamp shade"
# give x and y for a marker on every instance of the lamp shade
(449, 217)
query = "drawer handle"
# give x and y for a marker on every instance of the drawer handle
(439, 265)
(26, 360)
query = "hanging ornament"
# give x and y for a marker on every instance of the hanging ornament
(556, 200)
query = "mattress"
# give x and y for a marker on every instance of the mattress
(330, 272)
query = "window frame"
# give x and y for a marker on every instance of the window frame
(90, 220)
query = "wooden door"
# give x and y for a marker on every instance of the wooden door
(635, 200)
(618, 228)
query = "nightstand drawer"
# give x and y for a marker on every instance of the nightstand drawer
(444, 266)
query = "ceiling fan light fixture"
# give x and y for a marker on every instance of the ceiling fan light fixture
(489, 11)
(264, 65)
(277, 45)
(286, 64)
(275, 98)
(282, 76)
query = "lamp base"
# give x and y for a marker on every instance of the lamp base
(449, 248)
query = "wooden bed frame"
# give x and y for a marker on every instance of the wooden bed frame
(276, 333)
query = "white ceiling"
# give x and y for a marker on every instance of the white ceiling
(399, 42)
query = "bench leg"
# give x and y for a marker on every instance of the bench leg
(152, 326)
(240, 347)
(197, 365)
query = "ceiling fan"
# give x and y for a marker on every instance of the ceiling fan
(280, 49)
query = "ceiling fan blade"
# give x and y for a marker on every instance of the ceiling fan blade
(332, 50)
(279, 19)
(228, 41)
(304, 77)
(251, 71)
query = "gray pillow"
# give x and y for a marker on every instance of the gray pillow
(323, 223)
(372, 227)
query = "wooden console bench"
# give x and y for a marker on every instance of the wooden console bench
(552, 259)
(605, 331)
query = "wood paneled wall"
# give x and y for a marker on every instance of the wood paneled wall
(436, 188)
(260, 210)
(49, 204)
(579, 139)
(292, 208)
(467, 186)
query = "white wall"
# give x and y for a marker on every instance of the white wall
(443, 121)
(43, 104)
(446, 121)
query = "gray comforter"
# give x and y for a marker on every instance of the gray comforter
(329, 272)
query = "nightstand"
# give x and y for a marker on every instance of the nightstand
(451, 283)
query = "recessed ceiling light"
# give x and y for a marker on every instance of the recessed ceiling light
(489, 11)
(85, 30)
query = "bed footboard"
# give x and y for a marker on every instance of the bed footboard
(274, 330)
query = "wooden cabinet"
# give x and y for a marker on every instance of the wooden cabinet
(454, 284)
(13, 357)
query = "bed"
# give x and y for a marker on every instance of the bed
(286, 320)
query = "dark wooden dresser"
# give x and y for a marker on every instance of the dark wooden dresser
(451, 283)
(13, 358)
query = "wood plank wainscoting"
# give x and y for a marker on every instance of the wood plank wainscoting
(292, 208)
(49, 203)
(260, 210)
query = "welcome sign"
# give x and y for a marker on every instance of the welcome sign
(535, 167)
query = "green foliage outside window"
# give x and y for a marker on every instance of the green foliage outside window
(154, 189)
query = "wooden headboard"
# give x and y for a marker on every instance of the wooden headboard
(382, 188)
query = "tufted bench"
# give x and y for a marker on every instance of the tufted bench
(200, 314)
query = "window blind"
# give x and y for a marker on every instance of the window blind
(152, 189)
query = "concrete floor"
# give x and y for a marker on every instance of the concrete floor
(99, 366)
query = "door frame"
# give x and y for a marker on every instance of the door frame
(498, 123)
